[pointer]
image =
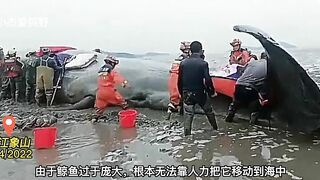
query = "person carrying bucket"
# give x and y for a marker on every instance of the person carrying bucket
(173, 78)
(107, 94)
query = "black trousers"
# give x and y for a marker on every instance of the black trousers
(246, 96)
(191, 98)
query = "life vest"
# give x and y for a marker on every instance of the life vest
(13, 68)
(241, 57)
(176, 64)
(110, 79)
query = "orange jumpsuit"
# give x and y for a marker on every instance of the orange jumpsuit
(241, 57)
(173, 82)
(107, 94)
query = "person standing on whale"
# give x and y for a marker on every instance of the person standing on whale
(173, 78)
(107, 94)
(195, 84)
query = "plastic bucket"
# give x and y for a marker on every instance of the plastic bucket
(45, 138)
(127, 118)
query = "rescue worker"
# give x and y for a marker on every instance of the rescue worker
(195, 84)
(239, 55)
(1, 70)
(107, 94)
(57, 73)
(45, 67)
(173, 78)
(31, 76)
(250, 89)
(252, 56)
(13, 71)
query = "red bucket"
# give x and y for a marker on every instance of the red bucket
(128, 118)
(45, 138)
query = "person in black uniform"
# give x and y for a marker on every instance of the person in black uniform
(195, 84)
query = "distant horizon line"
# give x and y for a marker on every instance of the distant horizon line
(169, 53)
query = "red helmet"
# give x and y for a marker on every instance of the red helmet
(235, 42)
(111, 59)
(185, 46)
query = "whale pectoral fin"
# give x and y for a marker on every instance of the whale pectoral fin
(85, 103)
(136, 103)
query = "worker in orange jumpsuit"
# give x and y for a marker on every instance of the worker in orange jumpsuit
(107, 94)
(239, 55)
(173, 78)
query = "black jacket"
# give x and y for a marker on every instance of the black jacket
(48, 61)
(194, 75)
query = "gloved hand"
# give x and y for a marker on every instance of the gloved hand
(124, 84)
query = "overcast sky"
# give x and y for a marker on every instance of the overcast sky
(140, 26)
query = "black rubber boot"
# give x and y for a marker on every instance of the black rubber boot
(49, 98)
(231, 113)
(38, 102)
(188, 126)
(13, 97)
(212, 121)
(230, 116)
(254, 118)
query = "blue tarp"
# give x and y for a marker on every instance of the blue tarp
(62, 57)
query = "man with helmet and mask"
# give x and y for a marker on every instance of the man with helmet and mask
(251, 89)
(107, 94)
(13, 71)
(45, 67)
(239, 55)
(173, 78)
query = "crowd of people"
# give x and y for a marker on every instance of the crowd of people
(30, 79)
(189, 82)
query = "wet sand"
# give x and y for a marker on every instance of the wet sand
(82, 143)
